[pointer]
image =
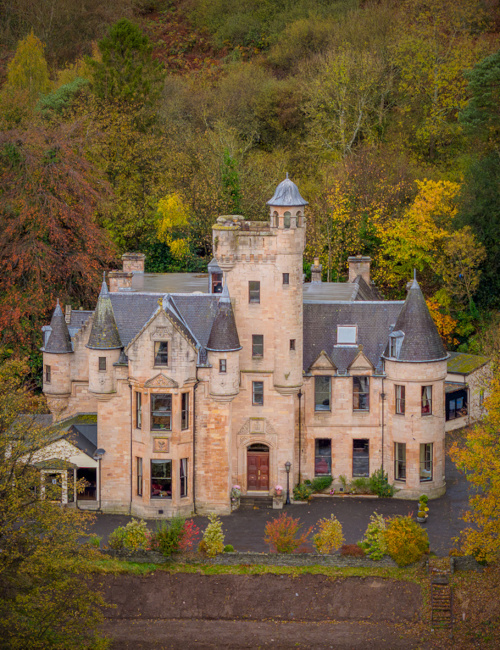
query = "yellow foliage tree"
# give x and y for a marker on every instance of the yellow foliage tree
(28, 69)
(173, 223)
(479, 458)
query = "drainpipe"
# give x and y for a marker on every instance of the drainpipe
(131, 457)
(299, 395)
(194, 441)
(382, 395)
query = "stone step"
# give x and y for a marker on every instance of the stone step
(252, 502)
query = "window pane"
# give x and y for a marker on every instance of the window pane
(185, 411)
(253, 291)
(286, 220)
(286, 278)
(361, 393)
(400, 461)
(161, 412)
(47, 374)
(139, 477)
(322, 393)
(323, 457)
(400, 400)
(257, 345)
(161, 353)
(292, 344)
(183, 472)
(426, 462)
(346, 334)
(222, 365)
(161, 479)
(426, 400)
(258, 392)
(216, 282)
(361, 457)
(138, 410)
(102, 363)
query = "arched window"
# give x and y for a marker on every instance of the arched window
(286, 221)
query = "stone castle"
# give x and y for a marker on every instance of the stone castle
(189, 385)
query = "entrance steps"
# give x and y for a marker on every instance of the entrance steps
(256, 502)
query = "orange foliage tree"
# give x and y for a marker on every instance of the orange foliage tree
(50, 245)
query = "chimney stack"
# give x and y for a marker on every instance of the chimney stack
(359, 265)
(316, 271)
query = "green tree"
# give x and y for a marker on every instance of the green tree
(28, 69)
(127, 72)
(46, 599)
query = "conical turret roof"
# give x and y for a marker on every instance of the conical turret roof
(287, 195)
(421, 340)
(224, 335)
(59, 340)
(104, 334)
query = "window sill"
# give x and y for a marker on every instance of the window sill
(401, 415)
(161, 366)
(361, 411)
(426, 415)
(157, 498)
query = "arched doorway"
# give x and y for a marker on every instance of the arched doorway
(258, 468)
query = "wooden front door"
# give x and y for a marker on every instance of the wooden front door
(258, 470)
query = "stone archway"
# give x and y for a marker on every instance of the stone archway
(258, 468)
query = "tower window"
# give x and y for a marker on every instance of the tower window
(48, 374)
(222, 365)
(400, 400)
(292, 344)
(257, 345)
(286, 278)
(258, 393)
(102, 363)
(426, 462)
(287, 219)
(254, 291)
(426, 400)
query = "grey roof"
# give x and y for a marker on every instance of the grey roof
(224, 335)
(421, 339)
(366, 291)
(77, 320)
(287, 195)
(213, 266)
(373, 319)
(329, 291)
(59, 340)
(170, 282)
(84, 436)
(104, 334)
(198, 313)
(132, 311)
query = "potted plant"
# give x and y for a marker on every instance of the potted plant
(235, 497)
(278, 489)
(423, 509)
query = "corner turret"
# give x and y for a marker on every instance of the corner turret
(57, 353)
(287, 206)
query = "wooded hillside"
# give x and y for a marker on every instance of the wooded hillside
(132, 125)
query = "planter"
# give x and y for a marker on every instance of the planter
(235, 504)
(422, 520)
(278, 502)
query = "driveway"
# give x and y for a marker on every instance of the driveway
(244, 529)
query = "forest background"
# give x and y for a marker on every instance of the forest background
(132, 125)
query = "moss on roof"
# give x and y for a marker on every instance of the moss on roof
(464, 364)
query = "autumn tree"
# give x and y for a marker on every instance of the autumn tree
(28, 69)
(46, 601)
(50, 245)
(479, 458)
(173, 224)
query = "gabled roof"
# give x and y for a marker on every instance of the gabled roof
(83, 436)
(59, 340)
(104, 334)
(421, 340)
(366, 291)
(287, 195)
(373, 319)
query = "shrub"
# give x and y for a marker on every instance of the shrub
(351, 550)
(228, 548)
(424, 499)
(379, 484)
(302, 492)
(134, 536)
(95, 540)
(361, 485)
(282, 535)
(330, 537)
(406, 541)
(321, 483)
(190, 532)
(374, 543)
(213, 536)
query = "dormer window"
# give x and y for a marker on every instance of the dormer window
(346, 334)
(395, 342)
(216, 282)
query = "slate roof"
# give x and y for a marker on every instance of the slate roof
(83, 436)
(77, 320)
(170, 282)
(373, 319)
(224, 335)
(132, 311)
(198, 312)
(329, 291)
(287, 195)
(421, 340)
(104, 334)
(463, 364)
(59, 340)
(366, 291)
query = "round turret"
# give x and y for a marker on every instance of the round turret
(57, 354)
(287, 206)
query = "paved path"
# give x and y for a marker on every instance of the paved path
(245, 529)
